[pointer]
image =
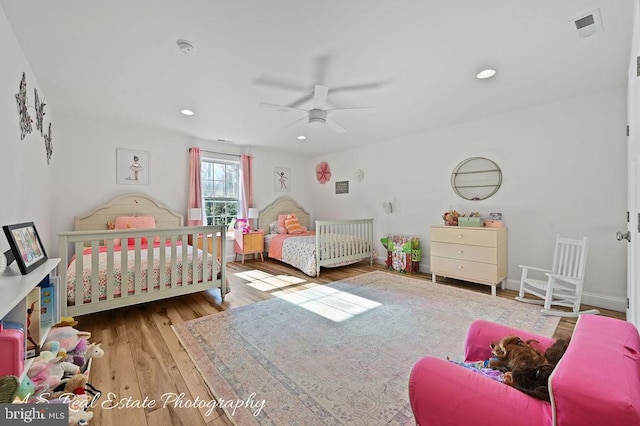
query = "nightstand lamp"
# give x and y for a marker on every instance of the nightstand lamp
(252, 213)
(194, 214)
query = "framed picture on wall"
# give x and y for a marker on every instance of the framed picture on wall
(26, 246)
(132, 167)
(282, 179)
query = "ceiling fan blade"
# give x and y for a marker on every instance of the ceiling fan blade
(363, 86)
(281, 107)
(300, 101)
(293, 123)
(320, 96)
(335, 126)
(281, 84)
(361, 109)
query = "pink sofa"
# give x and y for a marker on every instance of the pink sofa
(597, 381)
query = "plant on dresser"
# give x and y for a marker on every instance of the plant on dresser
(471, 254)
(15, 303)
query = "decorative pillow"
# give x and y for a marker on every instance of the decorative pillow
(292, 225)
(281, 227)
(136, 222)
(273, 227)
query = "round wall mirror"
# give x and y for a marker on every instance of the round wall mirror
(476, 178)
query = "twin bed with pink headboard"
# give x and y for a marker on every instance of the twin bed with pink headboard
(331, 244)
(139, 238)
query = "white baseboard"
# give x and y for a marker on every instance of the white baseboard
(597, 300)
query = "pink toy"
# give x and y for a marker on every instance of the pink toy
(68, 337)
(596, 382)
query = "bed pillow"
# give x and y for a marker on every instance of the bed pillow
(292, 224)
(273, 227)
(135, 222)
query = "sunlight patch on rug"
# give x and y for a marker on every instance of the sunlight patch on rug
(312, 370)
(328, 302)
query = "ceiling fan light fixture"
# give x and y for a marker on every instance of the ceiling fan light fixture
(186, 112)
(302, 137)
(317, 118)
(486, 73)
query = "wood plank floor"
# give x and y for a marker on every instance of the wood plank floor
(144, 361)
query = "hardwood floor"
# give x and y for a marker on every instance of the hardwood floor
(144, 362)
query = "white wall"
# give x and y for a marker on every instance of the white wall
(564, 171)
(86, 167)
(25, 177)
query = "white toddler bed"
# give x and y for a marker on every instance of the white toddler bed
(157, 263)
(332, 244)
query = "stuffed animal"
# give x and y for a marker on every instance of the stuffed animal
(77, 417)
(73, 385)
(451, 218)
(93, 351)
(41, 373)
(68, 337)
(25, 391)
(54, 346)
(9, 386)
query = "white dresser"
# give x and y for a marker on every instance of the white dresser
(471, 254)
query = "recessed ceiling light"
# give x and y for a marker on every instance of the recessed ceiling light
(302, 137)
(186, 112)
(488, 73)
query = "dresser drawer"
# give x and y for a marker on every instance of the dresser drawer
(465, 252)
(463, 269)
(460, 235)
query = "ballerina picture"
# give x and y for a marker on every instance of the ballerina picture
(282, 181)
(132, 167)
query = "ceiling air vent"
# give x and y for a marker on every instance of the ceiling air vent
(588, 24)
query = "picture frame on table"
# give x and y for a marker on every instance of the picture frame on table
(282, 179)
(132, 167)
(26, 246)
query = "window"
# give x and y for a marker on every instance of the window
(220, 190)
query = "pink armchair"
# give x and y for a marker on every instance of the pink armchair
(596, 382)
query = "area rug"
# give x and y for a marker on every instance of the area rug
(280, 362)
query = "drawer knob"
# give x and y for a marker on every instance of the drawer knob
(460, 267)
(459, 235)
(460, 252)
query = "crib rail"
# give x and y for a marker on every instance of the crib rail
(173, 245)
(343, 240)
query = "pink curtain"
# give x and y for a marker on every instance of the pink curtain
(195, 186)
(246, 187)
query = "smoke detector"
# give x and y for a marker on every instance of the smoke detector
(588, 24)
(185, 46)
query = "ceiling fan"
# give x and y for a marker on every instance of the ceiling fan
(318, 115)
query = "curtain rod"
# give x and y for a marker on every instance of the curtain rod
(215, 152)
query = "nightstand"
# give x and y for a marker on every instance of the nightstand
(249, 243)
(210, 245)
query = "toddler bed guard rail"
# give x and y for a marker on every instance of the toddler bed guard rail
(343, 241)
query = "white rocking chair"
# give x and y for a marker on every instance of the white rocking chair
(563, 285)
